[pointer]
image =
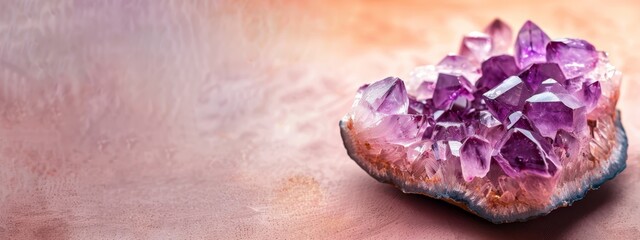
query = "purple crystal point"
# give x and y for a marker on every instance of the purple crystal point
(530, 45)
(399, 128)
(476, 46)
(449, 131)
(422, 74)
(446, 116)
(461, 105)
(475, 157)
(416, 107)
(483, 123)
(458, 65)
(362, 88)
(539, 72)
(550, 112)
(507, 97)
(428, 132)
(501, 35)
(440, 150)
(449, 88)
(454, 64)
(525, 151)
(589, 94)
(425, 90)
(495, 70)
(567, 142)
(551, 85)
(387, 96)
(359, 93)
(573, 85)
(487, 119)
(576, 57)
(519, 120)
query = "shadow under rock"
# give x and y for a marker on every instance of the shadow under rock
(426, 210)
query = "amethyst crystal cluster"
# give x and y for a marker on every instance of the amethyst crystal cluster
(507, 137)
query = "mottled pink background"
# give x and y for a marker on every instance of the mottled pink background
(219, 119)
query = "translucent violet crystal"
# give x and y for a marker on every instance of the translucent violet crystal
(531, 45)
(475, 157)
(537, 73)
(501, 35)
(506, 98)
(476, 46)
(507, 136)
(525, 151)
(387, 96)
(495, 70)
(575, 56)
(448, 88)
(519, 120)
(550, 112)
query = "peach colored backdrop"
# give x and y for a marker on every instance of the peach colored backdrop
(219, 119)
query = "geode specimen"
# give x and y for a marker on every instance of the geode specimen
(506, 137)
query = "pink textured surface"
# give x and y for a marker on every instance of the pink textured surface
(215, 119)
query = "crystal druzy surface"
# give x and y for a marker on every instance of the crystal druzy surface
(505, 136)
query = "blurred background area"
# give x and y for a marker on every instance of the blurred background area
(219, 119)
